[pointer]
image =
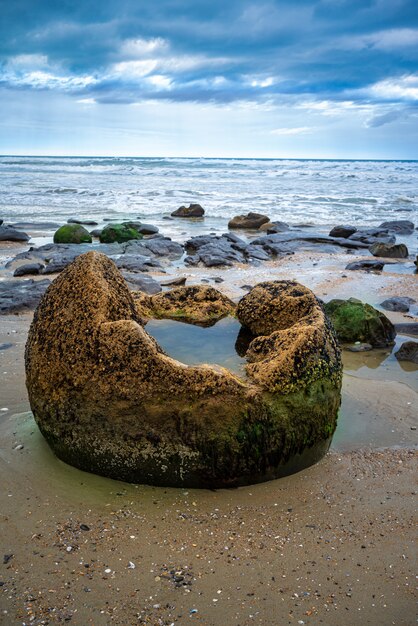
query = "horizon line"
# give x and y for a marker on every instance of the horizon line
(208, 158)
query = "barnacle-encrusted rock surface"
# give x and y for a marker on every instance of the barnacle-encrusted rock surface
(109, 401)
(198, 304)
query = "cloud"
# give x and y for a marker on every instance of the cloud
(398, 88)
(385, 118)
(323, 57)
(301, 130)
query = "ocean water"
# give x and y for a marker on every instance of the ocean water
(315, 192)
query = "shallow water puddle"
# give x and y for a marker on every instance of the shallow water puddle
(381, 364)
(194, 345)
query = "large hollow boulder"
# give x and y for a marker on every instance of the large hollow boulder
(110, 401)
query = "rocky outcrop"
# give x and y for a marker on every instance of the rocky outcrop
(72, 233)
(108, 400)
(390, 250)
(251, 221)
(193, 210)
(355, 321)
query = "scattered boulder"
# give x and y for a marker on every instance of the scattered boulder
(356, 321)
(390, 250)
(29, 269)
(96, 232)
(118, 233)
(408, 352)
(342, 231)
(251, 221)
(399, 304)
(193, 210)
(72, 233)
(7, 233)
(402, 227)
(108, 400)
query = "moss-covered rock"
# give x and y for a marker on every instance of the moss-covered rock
(72, 233)
(356, 321)
(118, 233)
(108, 400)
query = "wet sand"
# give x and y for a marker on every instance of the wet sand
(330, 545)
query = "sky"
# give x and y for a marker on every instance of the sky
(214, 78)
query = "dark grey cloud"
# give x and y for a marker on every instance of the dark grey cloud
(132, 50)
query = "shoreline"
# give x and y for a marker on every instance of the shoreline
(331, 544)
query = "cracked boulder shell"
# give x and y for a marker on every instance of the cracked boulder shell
(108, 399)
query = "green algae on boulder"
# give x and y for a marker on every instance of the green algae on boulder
(354, 320)
(118, 233)
(72, 233)
(108, 400)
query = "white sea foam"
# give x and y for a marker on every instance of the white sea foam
(318, 192)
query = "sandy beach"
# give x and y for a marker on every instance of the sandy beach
(330, 545)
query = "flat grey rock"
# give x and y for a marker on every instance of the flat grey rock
(136, 263)
(370, 236)
(37, 225)
(366, 265)
(84, 222)
(138, 282)
(21, 295)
